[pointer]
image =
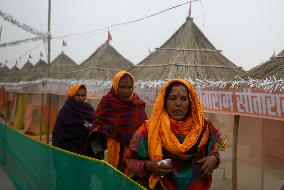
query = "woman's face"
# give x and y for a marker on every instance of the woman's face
(81, 95)
(125, 87)
(178, 103)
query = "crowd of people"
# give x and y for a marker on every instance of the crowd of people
(175, 148)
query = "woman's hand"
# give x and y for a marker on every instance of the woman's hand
(157, 169)
(207, 165)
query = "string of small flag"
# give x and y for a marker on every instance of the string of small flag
(43, 36)
(23, 26)
(18, 42)
(19, 60)
(27, 54)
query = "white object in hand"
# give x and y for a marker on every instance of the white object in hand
(165, 162)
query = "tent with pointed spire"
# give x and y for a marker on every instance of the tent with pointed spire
(26, 69)
(187, 54)
(27, 66)
(14, 75)
(3, 73)
(62, 67)
(103, 64)
(39, 71)
(271, 68)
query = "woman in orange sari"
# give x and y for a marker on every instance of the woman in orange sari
(118, 116)
(177, 148)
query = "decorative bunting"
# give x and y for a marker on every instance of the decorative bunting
(25, 27)
(268, 85)
(18, 42)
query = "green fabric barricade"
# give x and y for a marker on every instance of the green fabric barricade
(32, 165)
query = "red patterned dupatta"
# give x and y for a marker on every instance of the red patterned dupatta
(120, 119)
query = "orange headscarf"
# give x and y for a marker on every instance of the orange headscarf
(159, 136)
(72, 90)
(116, 79)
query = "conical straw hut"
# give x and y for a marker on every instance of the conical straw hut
(39, 71)
(26, 70)
(103, 64)
(3, 72)
(187, 54)
(62, 67)
(271, 68)
(13, 75)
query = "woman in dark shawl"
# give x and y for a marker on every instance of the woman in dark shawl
(119, 114)
(73, 121)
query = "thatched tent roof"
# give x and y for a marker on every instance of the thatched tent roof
(14, 75)
(271, 68)
(26, 69)
(39, 71)
(62, 66)
(188, 53)
(27, 66)
(281, 53)
(103, 64)
(3, 72)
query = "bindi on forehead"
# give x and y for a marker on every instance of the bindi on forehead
(179, 91)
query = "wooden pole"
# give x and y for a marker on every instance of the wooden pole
(48, 67)
(262, 154)
(235, 152)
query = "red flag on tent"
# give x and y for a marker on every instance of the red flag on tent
(109, 37)
(30, 56)
(189, 11)
(41, 55)
(64, 44)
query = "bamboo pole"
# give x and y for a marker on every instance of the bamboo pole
(235, 152)
(262, 155)
(48, 68)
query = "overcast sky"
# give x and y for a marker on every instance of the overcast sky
(247, 31)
